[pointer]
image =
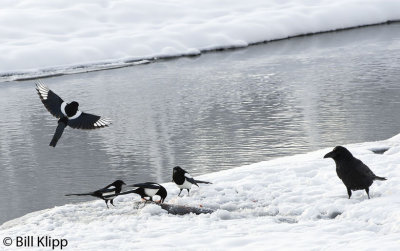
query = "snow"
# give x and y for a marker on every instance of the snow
(295, 202)
(40, 38)
(291, 203)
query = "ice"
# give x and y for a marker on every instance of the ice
(41, 38)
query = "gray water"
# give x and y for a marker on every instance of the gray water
(209, 113)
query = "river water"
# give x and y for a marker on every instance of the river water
(209, 113)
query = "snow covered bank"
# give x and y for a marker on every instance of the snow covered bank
(50, 37)
(294, 202)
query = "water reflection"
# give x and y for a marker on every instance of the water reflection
(209, 113)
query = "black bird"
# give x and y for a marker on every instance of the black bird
(352, 171)
(148, 189)
(67, 113)
(107, 193)
(184, 180)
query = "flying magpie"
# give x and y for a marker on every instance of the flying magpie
(352, 171)
(67, 113)
(148, 189)
(184, 180)
(108, 193)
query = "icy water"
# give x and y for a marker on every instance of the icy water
(209, 113)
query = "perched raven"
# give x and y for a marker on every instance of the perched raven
(352, 171)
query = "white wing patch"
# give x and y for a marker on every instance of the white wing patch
(108, 194)
(187, 175)
(43, 90)
(102, 122)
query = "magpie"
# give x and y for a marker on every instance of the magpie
(67, 113)
(148, 189)
(184, 180)
(108, 193)
(354, 174)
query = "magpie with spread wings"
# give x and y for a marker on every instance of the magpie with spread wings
(67, 113)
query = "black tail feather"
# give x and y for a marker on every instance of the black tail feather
(128, 192)
(57, 135)
(202, 182)
(379, 178)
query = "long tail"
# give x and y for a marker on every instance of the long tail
(78, 194)
(128, 192)
(57, 135)
(202, 182)
(379, 178)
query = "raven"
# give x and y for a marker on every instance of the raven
(352, 171)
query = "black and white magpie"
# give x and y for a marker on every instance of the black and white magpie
(148, 189)
(108, 193)
(184, 180)
(67, 113)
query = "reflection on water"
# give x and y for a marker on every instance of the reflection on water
(209, 113)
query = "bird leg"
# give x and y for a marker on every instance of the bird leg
(107, 204)
(367, 190)
(349, 192)
(188, 191)
(180, 192)
(112, 202)
(146, 200)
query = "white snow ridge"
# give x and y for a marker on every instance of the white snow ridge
(41, 37)
(291, 203)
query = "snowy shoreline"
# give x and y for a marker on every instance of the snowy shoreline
(295, 202)
(66, 38)
(110, 65)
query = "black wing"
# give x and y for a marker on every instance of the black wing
(363, 169)
(109, 188)
(51, 101)
(107, 192)
(149, 185)
(189, 178)
(88, 121)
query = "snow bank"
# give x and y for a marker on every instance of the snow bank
(41, 37)
(294, 202)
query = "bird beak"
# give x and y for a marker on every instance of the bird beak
(328, 155)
